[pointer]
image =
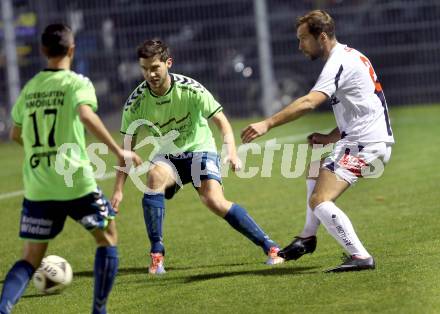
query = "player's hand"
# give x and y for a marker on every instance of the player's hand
(254, 130)
(318, 138)
(129, 157)
(116, 200)
(234, 162)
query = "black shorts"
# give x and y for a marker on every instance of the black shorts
(44, 220)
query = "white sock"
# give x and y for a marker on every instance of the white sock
(340, 227)
(312, 222)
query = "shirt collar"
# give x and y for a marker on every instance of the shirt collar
(168, 91)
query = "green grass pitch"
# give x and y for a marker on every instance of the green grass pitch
(213, 269)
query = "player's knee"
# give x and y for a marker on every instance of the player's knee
(108, 237)
(316, 199)
(107, 240)
(215, 204)
(157, 178)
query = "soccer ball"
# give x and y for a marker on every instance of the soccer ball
(53, 275)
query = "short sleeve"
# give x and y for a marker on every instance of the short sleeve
(84, 93)
(330, 79)
(17, 110)
(208, 105)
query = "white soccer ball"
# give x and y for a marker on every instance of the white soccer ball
(53, 275)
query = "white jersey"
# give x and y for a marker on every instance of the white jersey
(357, 99)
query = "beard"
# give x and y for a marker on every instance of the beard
(319, 53)
(316, 53)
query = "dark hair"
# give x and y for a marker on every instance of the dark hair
(154, 47)
(56, 40)
(318, 22)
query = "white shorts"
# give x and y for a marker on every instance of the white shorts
(352, 160)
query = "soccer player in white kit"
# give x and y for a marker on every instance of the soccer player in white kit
(363, 136)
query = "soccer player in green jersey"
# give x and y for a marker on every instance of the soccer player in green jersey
(176, 104)
(52, 110)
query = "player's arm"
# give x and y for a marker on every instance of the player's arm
(15, 134)
(319, 138)
(292, 112)
(121, 176)
(225, 128)
(334, 135)
(95, 126)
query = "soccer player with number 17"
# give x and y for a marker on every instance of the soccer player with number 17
(52, 110)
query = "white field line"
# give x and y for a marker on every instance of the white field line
(7, 195)
(282, 140)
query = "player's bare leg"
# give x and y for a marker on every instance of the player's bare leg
(211, 194)
(160, 177)
(328, 188)
(33, 252)
(107, 237)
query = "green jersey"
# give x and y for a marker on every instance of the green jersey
(46, 111)
(185, 108)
